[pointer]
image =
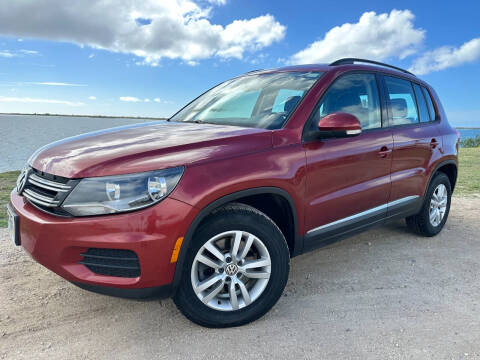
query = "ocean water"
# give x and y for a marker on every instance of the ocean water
(21, 135)
(468, 133)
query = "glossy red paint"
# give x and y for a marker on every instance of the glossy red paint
(57, 242)
(145, 147)
(339, 122)
(327, 179)
(346, 176)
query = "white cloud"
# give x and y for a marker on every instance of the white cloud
(17, 53)
(91, 56)
(52, 83)
(6, 54)
(7, 99)
(158, 100)
(29, 52)
(217, 2)
(375, 37)
(146, 100)
(178, 29)
(92, 98)
(447, 56)
(129, 99)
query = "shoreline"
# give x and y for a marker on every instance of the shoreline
(87, 116)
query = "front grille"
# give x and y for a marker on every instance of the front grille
(112, 262)
(47, 191)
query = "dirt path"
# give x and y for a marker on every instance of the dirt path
(383, 294)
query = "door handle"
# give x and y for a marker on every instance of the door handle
(433, 143)
(384, 151)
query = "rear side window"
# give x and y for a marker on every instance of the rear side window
(356, 94)
(403, 108)
(422, 104)
(431, 108)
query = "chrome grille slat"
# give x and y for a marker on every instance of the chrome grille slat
(44, 186)
(46, 191)
(39, 199)
(54, 184)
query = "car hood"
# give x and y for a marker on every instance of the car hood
(145, 147)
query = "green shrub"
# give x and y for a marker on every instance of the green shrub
(470, 142)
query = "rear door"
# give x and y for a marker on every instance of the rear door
(415, 142)
(348, 179)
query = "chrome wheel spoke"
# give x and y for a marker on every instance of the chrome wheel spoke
(248, 245)
(244, 291)
(209, 262)
(257, 274)
(214, 251)
(236, 243)
(255, 264)
(214, 292)
(207, 283)
(233, 295)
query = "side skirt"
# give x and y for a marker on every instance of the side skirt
(338, 230)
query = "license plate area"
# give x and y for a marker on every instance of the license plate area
(13, 225)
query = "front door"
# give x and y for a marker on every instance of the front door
(348, 179)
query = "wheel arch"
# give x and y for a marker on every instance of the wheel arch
(296, 247)
(449, 168)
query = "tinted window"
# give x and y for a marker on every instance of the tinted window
(355, 94)
(422, 104)
(431, 108)
(403, 108)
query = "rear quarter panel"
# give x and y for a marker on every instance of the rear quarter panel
(449, 136)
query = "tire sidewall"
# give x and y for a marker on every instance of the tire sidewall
(272, 238)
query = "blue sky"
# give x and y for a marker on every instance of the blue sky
(148, 58)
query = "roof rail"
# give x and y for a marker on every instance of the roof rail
(354, 60)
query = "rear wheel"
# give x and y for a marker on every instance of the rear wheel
(236, 269)
(431, 219)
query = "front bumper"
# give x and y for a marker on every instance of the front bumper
(57, 242)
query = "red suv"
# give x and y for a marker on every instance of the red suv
(209, 206)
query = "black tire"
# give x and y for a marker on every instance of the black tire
(242, 217)
(420, 223)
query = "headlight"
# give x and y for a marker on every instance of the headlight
(114, 194)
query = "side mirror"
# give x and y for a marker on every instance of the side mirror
(339, 124)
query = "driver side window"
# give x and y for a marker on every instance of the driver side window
(356, 94)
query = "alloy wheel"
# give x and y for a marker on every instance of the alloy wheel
(438, 204)
(231, 270)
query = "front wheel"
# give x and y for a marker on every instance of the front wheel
(236, 269)
(431, 219)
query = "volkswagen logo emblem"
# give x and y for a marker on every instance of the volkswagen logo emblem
(22, 179)
(231, 269)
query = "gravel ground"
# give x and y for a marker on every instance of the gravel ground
(385, 294)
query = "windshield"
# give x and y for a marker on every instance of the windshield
(261, 101)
